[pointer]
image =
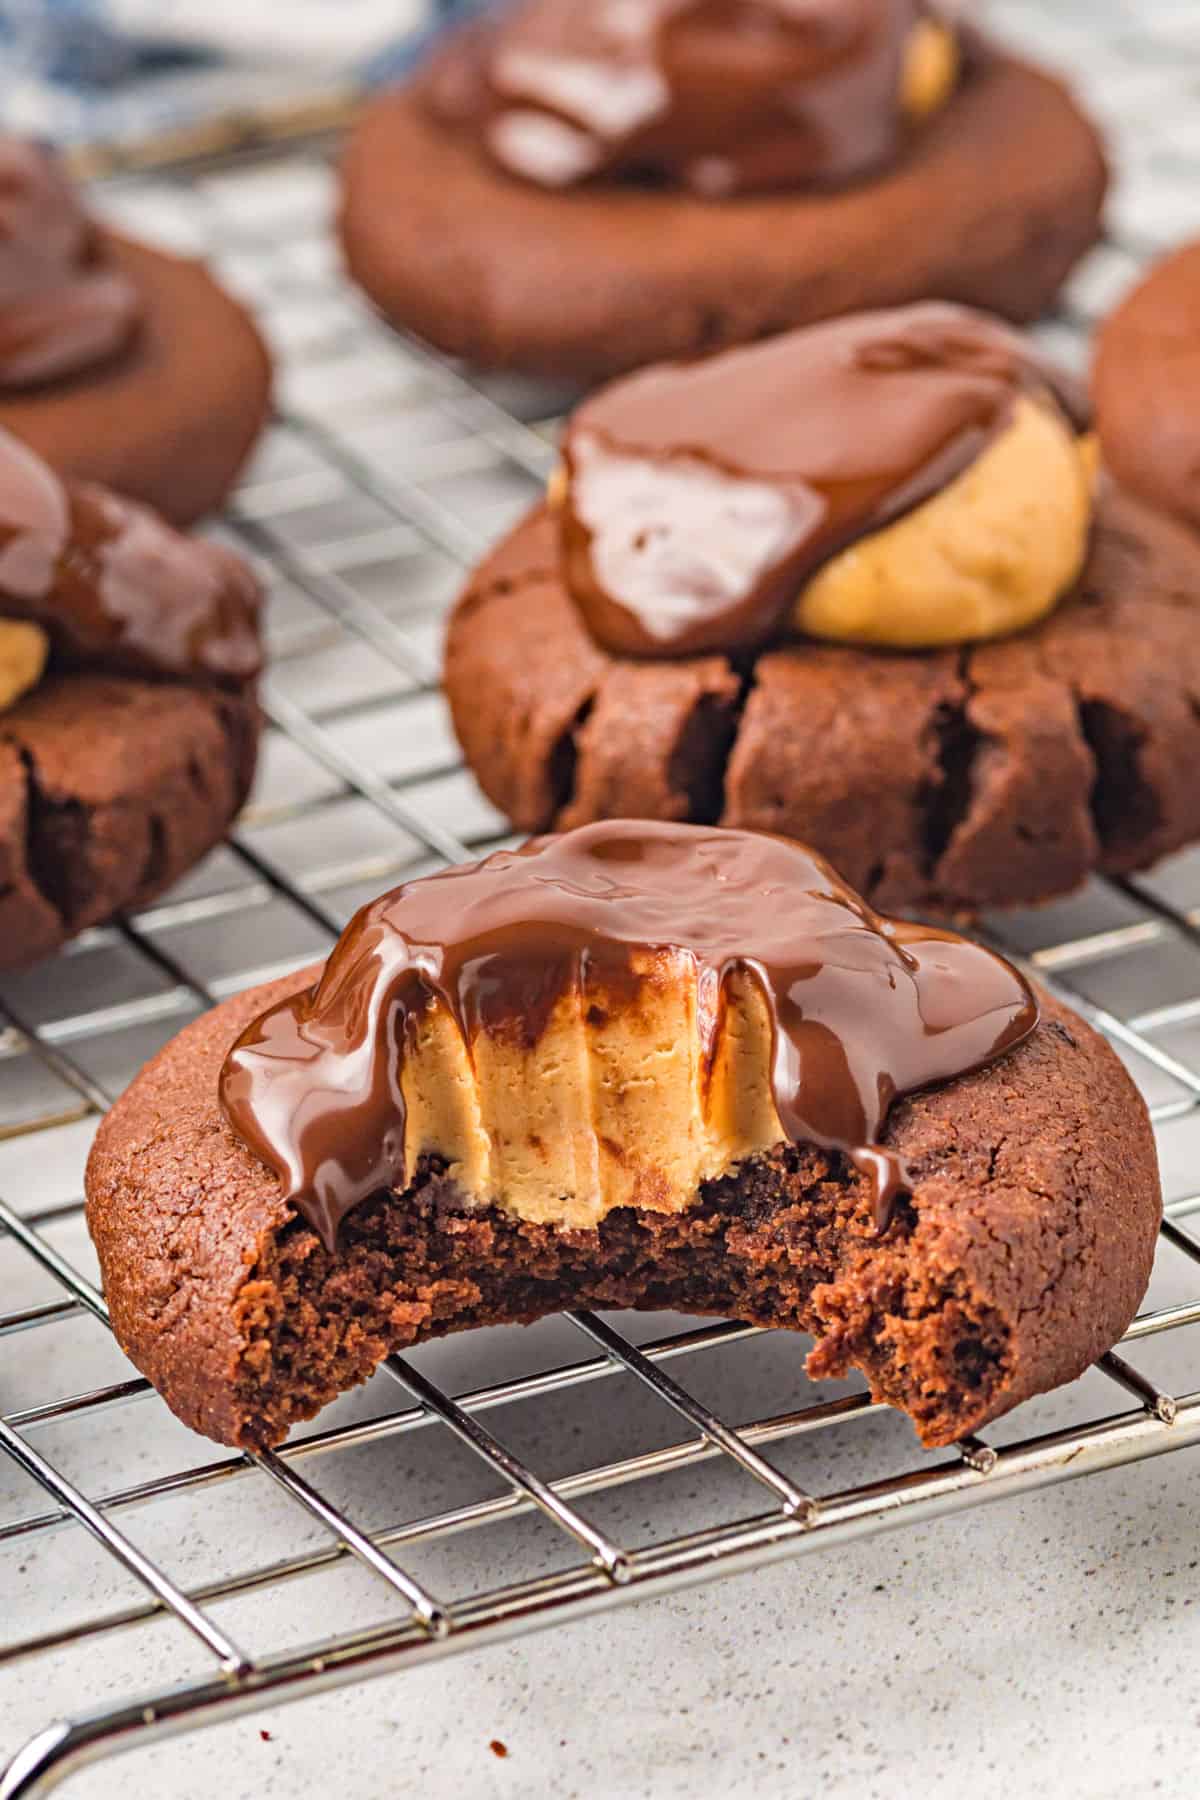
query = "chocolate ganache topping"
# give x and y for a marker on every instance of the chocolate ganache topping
(722, 96)
(862, 1009)
(63, 308)
(116, 588)
(699, 497)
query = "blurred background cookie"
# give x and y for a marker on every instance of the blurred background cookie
(577, 189)
(1146, 385)
(119, 363)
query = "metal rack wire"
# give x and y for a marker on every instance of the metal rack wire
(387, 469)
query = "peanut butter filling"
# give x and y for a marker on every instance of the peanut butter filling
(907, 479)
(932, 64)
(612, 1106)
(24, 649)
(609, 1019)
(991, 554)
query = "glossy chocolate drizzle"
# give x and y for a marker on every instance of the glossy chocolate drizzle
(115, 587)
(863, 1009)
(719, 96)
(701, 496)
(63, 308)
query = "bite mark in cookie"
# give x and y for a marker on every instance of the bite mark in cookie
(1016, 1253)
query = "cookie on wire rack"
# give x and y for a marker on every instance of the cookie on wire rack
(640, 1065)
(128, 719)
(574, 190)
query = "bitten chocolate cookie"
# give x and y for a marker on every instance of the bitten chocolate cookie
(118, 363)
(691, 635)
(586, 1073)
(128, 723)
(546, 199)
(1146, 386)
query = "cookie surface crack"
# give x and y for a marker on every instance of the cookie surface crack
(562, 765)
(55, 839)
(945, 803)
(699, 763)
(1125, 808)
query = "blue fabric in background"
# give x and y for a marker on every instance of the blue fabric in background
(395, 58)
(63, 41)
(81, 71)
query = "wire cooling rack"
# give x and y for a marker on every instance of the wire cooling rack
(505, 1481)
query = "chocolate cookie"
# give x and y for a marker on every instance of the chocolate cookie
(171, 417)
(1020, 1256)
(992, 775)
(128, 722)
(993, 203)
(110, 789)
(1146, 386)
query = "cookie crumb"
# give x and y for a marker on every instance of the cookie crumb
(497, 1748)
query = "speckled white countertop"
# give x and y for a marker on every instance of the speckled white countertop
(1040, 1647)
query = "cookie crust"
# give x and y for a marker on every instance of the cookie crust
(1021, 1257)
(995, 202)
(997, 775)
(171, 420)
